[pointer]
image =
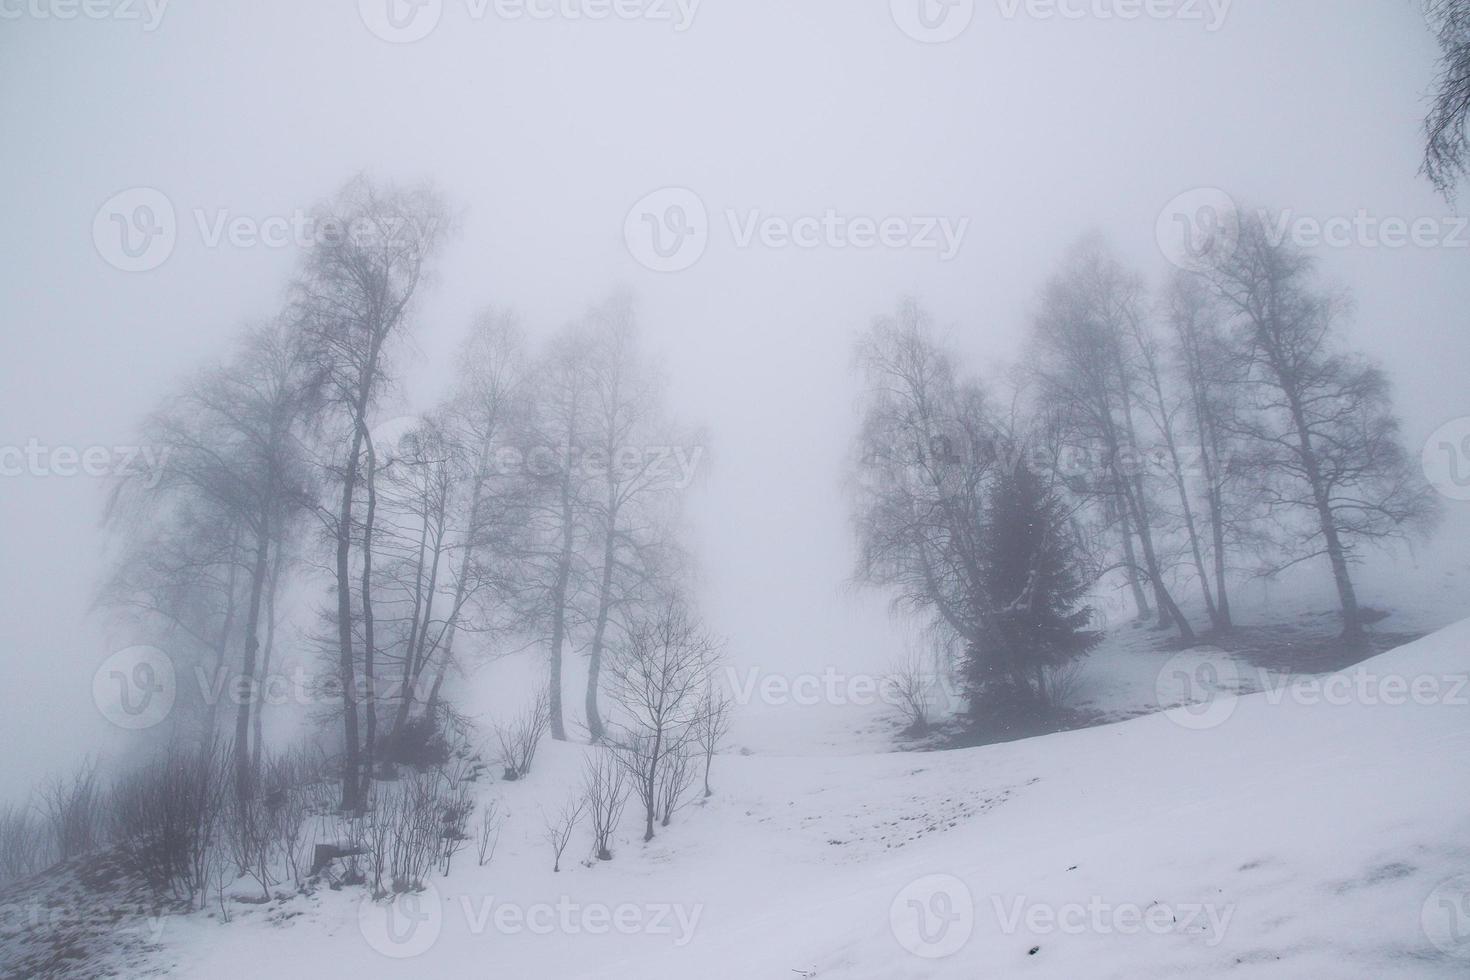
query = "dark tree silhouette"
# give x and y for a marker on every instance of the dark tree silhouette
(1031, 572)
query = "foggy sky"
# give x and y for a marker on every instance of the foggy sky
(544, 133)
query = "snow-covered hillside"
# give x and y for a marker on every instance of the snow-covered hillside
(1308, 831)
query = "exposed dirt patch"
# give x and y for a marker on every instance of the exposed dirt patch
(89, 917)
(1313, 646)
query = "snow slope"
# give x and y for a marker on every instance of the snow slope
(1291, 833)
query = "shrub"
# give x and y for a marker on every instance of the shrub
(519, 740)
(166, 816)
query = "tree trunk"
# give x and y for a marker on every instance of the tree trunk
(346, 667)
(1130, 557)
(1217, 536)
(265, 663)
(369, 643)
(1191, 528)
(1135, 496)
(421, 658)
(652, 784)
(595, 727)
(227, 630)
(1352, 619)
(1167, 606)
(559, 616)
(244, 787)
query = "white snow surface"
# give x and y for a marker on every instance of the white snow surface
(1278, 834)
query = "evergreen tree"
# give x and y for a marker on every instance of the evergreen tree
(1031, 576)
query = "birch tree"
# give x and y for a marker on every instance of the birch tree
(1325, 441)
(1088, 311)
(353, 300)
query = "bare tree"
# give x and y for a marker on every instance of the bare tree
(630, 514)
(558, 511)
(1165, 408)
(486, 408)
(422, 479)
(1206, 370)
(659, 677)
(675, 779)
(908, 683)
(1086, 367)
(605, 785)
(519, 739)
(235, 437)
(711, 725)
(352, 300)
(487, 834)
(561, 823)
(925, 454)
(1325, 441)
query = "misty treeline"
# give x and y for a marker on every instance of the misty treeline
(1170, 440)
(299, 544)
(535, 507)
